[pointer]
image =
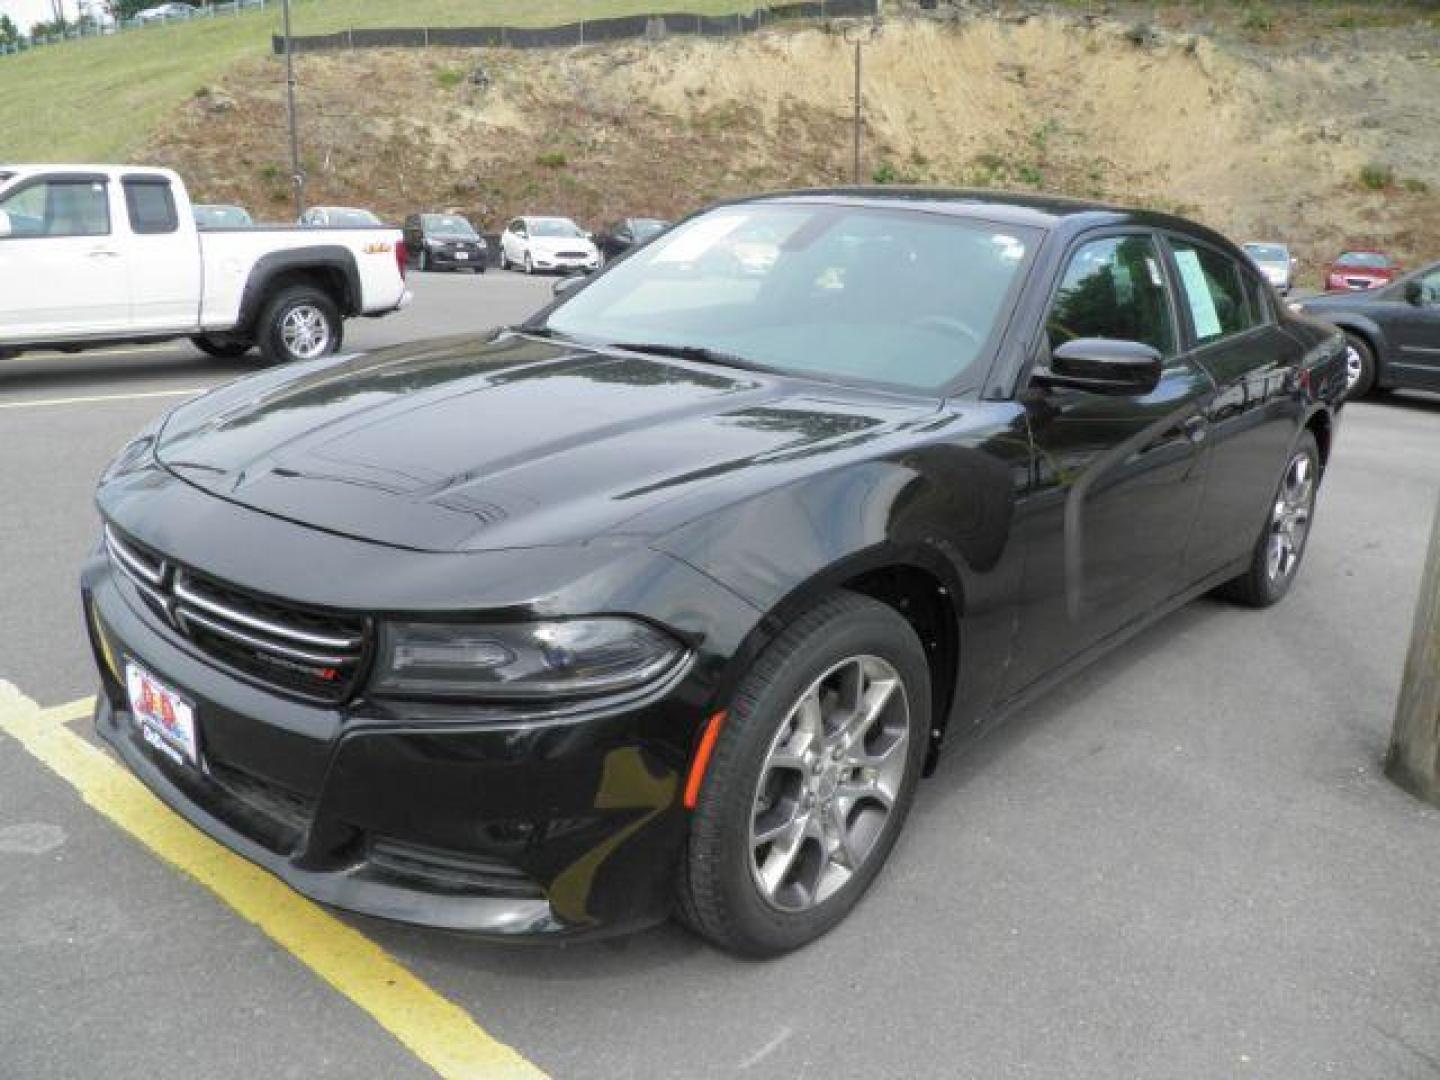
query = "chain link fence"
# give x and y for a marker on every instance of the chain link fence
(91, 27)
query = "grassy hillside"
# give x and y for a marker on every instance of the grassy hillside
(100, 99)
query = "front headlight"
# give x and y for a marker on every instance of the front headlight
(1296, 307)
(560, 658)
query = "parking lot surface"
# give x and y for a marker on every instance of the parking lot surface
(1184, 863)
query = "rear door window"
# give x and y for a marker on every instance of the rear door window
(151, 206)
(1215, 296)
(1114, 288)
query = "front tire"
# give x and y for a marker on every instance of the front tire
(810, 781)
(300, 323)
(221, 347)
(529, 264)
(1359, 367)
(1275, 562)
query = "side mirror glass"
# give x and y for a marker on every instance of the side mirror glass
(1103, 366)
(568, 282)
(5, 227)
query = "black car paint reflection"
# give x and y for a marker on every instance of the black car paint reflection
(1024, 529)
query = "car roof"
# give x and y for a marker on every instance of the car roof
(1047, 212)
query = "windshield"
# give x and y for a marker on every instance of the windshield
(554, 227)
(1267, 252)
(645, 227)
(448, 225)
(222, 217)
(894, 297)
(354, 219)
(1371, 260)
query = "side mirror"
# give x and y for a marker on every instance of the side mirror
(568, 282)
(1102, 366)
(1415, 294)
(5, 227)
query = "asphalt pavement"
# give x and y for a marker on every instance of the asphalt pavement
(1184, 863)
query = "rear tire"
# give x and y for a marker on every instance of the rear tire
(300, 323)
(792, 823)
(222, 347)
(1275, 561)
(1359, 367)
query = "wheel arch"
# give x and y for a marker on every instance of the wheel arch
(917, 581)
(330, 268)
(1373, 336)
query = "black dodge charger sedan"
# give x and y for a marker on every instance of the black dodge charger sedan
(1392, 334)
(666, 599)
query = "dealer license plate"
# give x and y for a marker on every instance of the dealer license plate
(165, 719)
(462, 256)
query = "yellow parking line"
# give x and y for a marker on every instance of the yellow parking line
(96, 398)
(434, 1029)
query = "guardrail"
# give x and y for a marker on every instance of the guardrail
(90, 28)
(587, 32)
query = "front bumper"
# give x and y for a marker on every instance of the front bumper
(550, 262)
(455, 817)
(442, 258)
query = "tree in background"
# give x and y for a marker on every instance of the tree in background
(121, 10)
(9, 32)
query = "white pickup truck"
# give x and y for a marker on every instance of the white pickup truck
(103, 254)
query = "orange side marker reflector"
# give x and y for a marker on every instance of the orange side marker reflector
(702, 759)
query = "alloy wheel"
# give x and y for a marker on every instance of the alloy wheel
(305, 332)
(1354, 366)
(829, 782)
(1290, 518)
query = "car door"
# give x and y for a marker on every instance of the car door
(1118, 478)
(64, 273)
(1412, 326)
(165, 290)
(1253, 418)
(514, 241)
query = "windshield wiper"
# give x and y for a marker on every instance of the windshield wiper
(698, 353)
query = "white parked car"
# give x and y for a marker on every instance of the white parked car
(338, 217)
(96, 255)
(1275, 262)
(164, 13)
(547, 243)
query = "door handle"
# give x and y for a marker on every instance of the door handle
(1195, 428)
(107, 253)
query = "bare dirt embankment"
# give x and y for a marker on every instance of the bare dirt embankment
(1322, 139)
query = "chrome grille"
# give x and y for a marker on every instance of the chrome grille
(299, 649)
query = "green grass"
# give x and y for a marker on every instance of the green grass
(98, 100)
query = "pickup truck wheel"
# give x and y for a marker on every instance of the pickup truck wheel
(222, 347)
(300, 323)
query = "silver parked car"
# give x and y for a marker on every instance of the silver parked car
(1275, 262)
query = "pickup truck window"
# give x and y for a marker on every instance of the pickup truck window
(59, 206)
(151, 205)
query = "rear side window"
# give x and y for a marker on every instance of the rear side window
(62, 206)
(1215, 293)
(151, 206)
(1114, 288)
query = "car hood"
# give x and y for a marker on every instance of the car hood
(510, 441)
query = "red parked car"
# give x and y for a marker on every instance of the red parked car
(1361, 270)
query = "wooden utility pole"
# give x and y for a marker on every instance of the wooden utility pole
(297, 171)
(1414, 758)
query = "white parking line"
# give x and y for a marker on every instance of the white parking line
(98, 398)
